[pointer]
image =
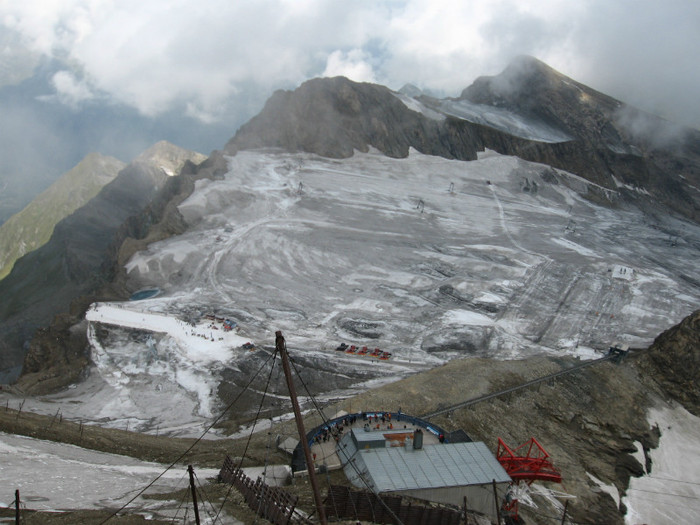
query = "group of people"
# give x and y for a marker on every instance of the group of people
(335, 429)
(373, 421)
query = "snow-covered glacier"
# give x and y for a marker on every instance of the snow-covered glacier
(426, 258)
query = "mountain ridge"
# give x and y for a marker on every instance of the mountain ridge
(333, 117)
(32, 227)
(610, 144)
(625, 147)
(78, 257)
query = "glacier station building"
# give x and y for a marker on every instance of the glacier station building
(403, 463)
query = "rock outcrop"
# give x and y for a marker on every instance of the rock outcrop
(673, 362)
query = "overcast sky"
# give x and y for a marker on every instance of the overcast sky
(203, 54)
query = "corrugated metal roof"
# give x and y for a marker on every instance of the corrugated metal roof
(443, 465)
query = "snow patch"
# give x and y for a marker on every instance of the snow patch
(466, 317)
(488, 297)
(664, 496)
(575, 247)
(503, 119)
(414, 105)
(72, 477)
(609, 489)
(190, 355)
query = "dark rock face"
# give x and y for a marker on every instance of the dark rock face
(80, 264)
(613, 143)
(334, 116)
(531, 88)
(673, 361)
(44, 282)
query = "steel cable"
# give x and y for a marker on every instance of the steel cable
(206, 430)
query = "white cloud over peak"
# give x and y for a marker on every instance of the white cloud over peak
(158, 54)
(354, 65)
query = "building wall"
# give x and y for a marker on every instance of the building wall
(480, 498)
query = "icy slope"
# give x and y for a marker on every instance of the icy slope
(668, 493)
(55, 476)
(372, 248)
(426, 258)
(499, 118)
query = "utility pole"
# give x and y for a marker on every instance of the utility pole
(194, 494)
(310, 467)
(498, 503)
(566, 506)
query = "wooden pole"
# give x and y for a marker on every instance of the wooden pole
(498, 506)
(563, 518)
(17, 507)
(54, 418)
(194, 494)
(310, 467)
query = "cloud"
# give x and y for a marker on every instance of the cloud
(643, 53)
(354, 65)
(70, 90)
(153, 55)
(202, 56)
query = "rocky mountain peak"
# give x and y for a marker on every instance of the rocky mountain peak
(610, 143)
(518, 79)
(169, 157)
(334, 117)
(411, 90)
(97, 160)
(32, 227)
(530, 87)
